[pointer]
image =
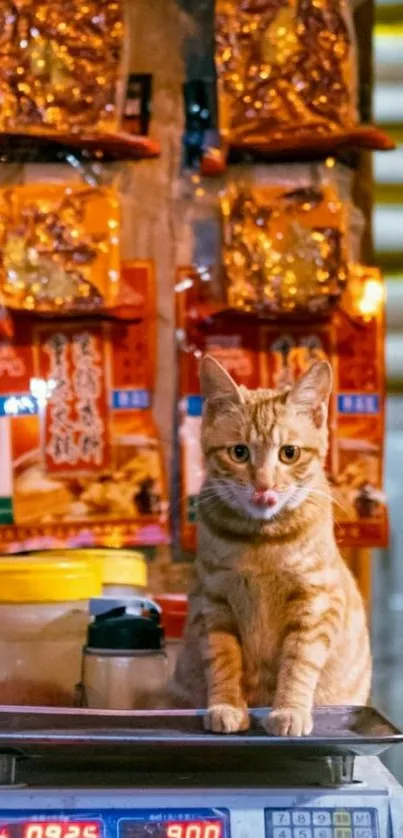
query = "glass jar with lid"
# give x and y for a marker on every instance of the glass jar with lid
(43, 622)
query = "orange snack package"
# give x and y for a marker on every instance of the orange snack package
(59, 247)
(287, 76)
(284, 251)
(61, 66)
(258, 353)
(82, 460)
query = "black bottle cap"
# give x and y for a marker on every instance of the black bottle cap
(119, 630)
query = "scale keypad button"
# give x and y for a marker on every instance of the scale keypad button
(281, 818)
(282, 832)
(301, 818)
(321, 823)
(341, 818)
(321, 818)
(362, 818)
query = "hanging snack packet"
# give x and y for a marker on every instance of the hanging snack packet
(59, 248)
(272, 240)
(287, 75)
(82, 460)
(284, 251)
(61, 66)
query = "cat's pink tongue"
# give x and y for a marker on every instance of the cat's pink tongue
(264, 498)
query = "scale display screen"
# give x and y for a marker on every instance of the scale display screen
(166, 824)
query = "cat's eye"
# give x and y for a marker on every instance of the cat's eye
(289, 454)
(239, 453)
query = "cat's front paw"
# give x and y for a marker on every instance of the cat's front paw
(224, 718)
(290, 721)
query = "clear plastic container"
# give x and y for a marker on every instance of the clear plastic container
(43, 623)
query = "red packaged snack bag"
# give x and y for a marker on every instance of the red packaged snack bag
(356, 477)
(82, 458)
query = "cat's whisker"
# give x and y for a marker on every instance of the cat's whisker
(336, 524)
(331, 498)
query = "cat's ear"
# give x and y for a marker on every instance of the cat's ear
(311, 393)
(215, 382)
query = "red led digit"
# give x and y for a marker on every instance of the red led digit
(33, 830)
(90, 830)
(53, 830)
(194, 830)
(62, 829)
(175, 830)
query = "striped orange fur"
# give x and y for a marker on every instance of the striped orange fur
(275, 615)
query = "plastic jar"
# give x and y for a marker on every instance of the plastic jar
(124, 660)
(174, 615)
(43, 622)
(123, 572)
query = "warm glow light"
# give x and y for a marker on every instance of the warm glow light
(42, 390)
(371, 299)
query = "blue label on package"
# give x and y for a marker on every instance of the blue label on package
(194, 405)
(362, 403)
(21, 404)
(129, 399)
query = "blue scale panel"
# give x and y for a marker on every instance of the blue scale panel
(126, 823)
(321, 823)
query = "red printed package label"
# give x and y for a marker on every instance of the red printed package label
(356, 477)
(76, 432)
(82, 458)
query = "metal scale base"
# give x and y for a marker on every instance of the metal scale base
(97, 774)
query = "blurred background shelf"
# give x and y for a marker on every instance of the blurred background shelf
(387, 577)
(388, 175)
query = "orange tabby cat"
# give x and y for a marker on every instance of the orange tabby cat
(275, 615)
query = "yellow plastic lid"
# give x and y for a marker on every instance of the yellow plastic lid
(125, 568)
(116, 567)
(47, 578)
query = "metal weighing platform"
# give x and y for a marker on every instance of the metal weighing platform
(90, 774)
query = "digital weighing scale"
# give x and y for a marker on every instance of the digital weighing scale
(91, 774)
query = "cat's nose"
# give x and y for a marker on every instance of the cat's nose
(264, 497)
